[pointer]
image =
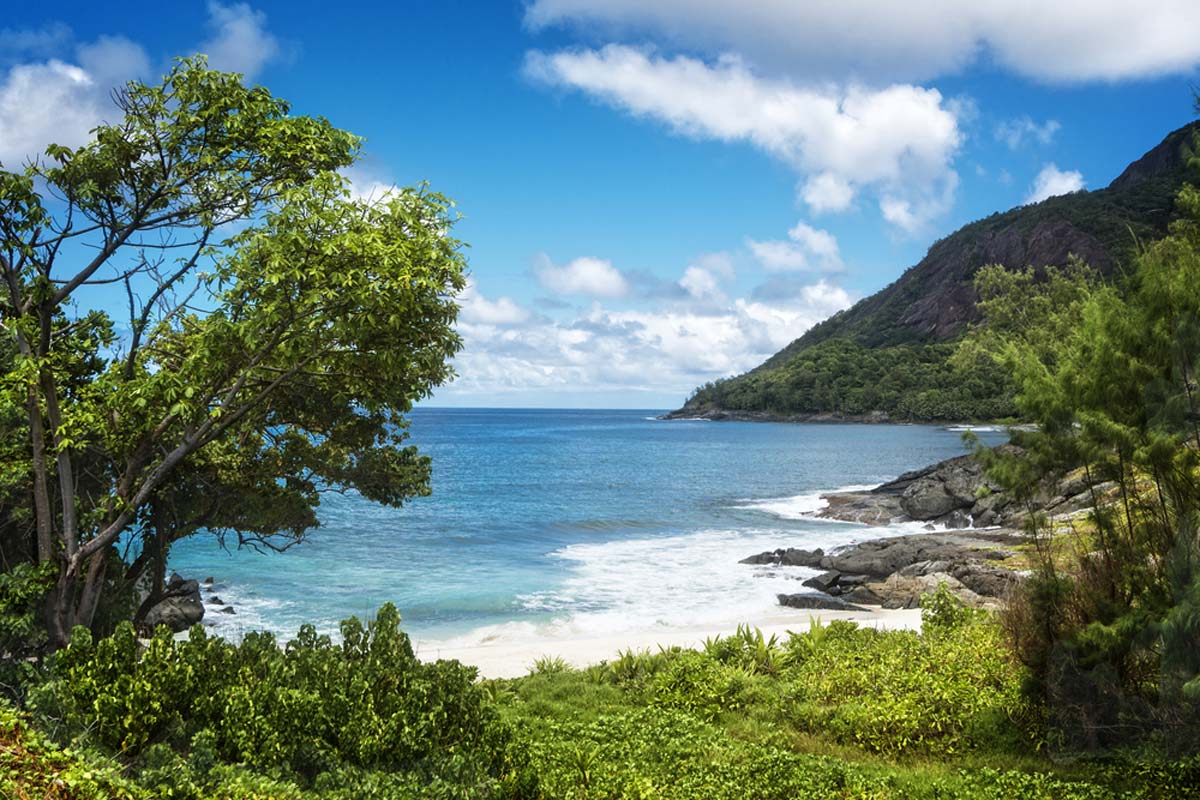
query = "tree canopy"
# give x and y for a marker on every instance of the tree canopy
(276, 330)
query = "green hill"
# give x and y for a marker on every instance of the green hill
(886, 356)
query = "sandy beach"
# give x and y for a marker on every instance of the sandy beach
(510, 659)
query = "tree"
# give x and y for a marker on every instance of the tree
(1109, 376)
(278, 329)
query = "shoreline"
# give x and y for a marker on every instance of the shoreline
(821, 418)
(512, 659)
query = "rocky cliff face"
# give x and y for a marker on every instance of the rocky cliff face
(935, 300)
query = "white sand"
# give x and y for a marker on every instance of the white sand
(510, 659)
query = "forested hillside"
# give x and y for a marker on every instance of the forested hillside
(890, 352)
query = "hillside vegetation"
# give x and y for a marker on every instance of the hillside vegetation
(890, 352)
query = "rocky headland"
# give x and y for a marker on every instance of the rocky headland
(973, 544)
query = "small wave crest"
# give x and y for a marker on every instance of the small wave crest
(799, 506)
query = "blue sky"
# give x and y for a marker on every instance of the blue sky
(659, 193)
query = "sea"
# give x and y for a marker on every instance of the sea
(550, 523)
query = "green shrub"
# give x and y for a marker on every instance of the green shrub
(296, 712)
(695, 682)
(22, 632)
(33, 767)
(898, 691)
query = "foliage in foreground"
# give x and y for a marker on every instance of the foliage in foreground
(194, 718)
(278, 331)
(838, 711)
(835, 712)
(1111, 635)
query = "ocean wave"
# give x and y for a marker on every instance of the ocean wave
(799, 506)
(654, 584)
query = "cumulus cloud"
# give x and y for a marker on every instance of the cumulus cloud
(474, 308)
(55, 91)
(57, 102)
(1015, 132)
(807, 248)
(898, 141)
(595, 277)
(877, 40)
(240, 41)
(667, 350)
(1052, 181)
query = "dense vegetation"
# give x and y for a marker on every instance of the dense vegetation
(904, 336)
(278, 330)
(840, 376)
(837, 711)
(1110, 626)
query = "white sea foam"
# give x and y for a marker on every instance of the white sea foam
(658, 584)
(800, 506)
(975, 428)
(252, 612)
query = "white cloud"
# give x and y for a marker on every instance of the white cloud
(1052, 181)
(701, 284)
(367, 183)
(897, 141)
(477, 309)
(42, 104)
(822, 244)
(808, 248)
(827, 192)
(58, 102)
(585, 275)
(61, 98)
(1015, 132)
(666, 350)
(778, 256)
(875, 40)
(240, 41)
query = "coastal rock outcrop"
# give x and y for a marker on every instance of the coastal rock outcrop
(895, 572)
(180, 608)
(813, 600)
(957, 494)
(789, 557)
(953, 493)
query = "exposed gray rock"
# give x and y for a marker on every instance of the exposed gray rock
(953, 494)
(823, 582)
(215, 600)
(863, 595)
(903, 591)
(790, 557)
(813, 600)
(228, 610)
(178, 612)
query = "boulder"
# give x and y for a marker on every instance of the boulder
(181, 606)
(928, 499)
(905, 591)
(823, 582)
(177, 611)
(863, 595)
(228, 610)
(812, 600)
(790, 557)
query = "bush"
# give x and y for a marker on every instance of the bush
(301, 712)
(22, 634)
(898, 691)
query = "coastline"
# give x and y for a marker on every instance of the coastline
(511, 659)
(820, 417)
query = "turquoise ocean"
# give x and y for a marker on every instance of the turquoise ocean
(556, 523)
